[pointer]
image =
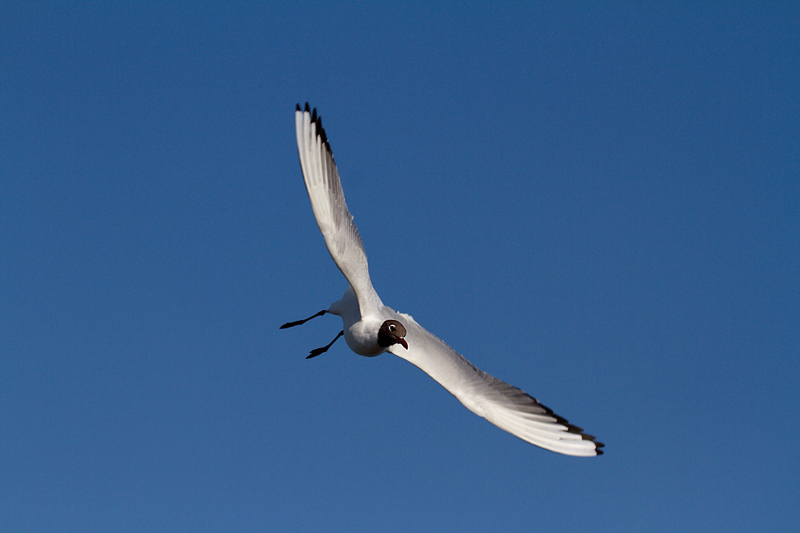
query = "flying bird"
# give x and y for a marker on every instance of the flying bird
(371, 328)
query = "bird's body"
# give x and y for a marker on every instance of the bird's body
(360, 332)
(371, 328)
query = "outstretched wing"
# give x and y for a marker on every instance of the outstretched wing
(504, 405)
(327, 200)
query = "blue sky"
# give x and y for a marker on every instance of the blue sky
(597, 203)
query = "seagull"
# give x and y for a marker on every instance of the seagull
(371, 328)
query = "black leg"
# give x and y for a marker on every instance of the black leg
(315, 352)
(293, 324)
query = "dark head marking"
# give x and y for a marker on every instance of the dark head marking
(392, 332)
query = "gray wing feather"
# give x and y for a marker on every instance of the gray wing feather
(327, 200)
(504, 405)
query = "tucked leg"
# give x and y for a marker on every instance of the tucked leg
(315, 352)
(293, 324)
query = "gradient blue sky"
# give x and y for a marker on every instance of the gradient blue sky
(599, 204)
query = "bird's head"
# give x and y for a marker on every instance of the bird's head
(392, 332)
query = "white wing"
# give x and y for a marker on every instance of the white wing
(504, 405)
(327, 200)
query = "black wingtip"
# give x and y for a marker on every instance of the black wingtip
(322, 134)
(317, 119)
(297, 107)
(598, 446)
(571, 428)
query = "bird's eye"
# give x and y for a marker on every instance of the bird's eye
(392, 327)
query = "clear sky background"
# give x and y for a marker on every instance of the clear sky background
(599, 204)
